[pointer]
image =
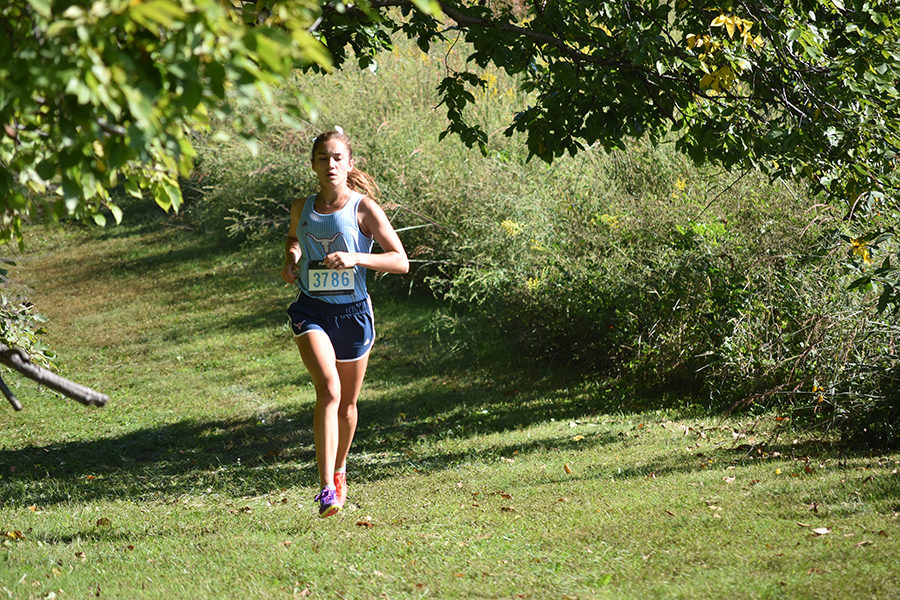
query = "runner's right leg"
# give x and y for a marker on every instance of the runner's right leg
(318, 357)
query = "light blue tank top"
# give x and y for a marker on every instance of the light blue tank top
(321, 234)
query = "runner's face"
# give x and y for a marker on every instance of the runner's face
(332, 163)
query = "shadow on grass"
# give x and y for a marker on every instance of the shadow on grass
(256, 455)
(410, 397)
(261, 455)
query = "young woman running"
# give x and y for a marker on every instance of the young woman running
(327, 253)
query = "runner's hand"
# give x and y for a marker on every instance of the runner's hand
(341, 260)
(289, 273)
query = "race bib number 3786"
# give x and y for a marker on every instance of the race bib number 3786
(329, 282)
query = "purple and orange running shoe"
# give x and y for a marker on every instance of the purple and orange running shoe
(328, 502)
(340, 486)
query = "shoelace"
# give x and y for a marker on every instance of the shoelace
(323, 495)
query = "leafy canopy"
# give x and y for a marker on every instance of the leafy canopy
(97, 94)
(800, 89)
(100, 93)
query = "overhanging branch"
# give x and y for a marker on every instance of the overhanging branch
(464, 19)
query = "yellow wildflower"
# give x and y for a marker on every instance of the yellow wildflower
(861, 249)
(511, 228)
(612, 221)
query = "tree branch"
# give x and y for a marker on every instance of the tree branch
(18, 359)
(464, 19)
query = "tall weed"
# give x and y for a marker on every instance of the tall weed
(634, 262)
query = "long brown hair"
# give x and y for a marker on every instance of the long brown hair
(357, 179)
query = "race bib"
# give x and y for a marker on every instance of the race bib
(330, 282)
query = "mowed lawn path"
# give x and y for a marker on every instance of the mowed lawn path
(471, 476)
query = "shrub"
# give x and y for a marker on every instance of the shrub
(633, 263)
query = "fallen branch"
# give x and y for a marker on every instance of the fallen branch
(18, 359)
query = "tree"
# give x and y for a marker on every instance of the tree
(800, 89)
(96, 94)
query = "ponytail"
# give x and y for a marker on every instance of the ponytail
(362, 182)
(358, 180)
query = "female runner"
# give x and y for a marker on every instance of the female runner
(327, 254)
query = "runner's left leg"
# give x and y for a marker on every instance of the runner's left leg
(351, 376)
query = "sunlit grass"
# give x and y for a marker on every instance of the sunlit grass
(467, 480)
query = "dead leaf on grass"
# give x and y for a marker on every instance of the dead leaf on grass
(864, 543)
(819, 531)
(728, 479)
(103, 522)
(567, 468)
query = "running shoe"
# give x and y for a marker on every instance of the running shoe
(340, 486)
(328, 502)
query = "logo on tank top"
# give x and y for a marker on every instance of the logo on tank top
(327, 244)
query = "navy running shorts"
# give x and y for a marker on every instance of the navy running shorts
(350, 327)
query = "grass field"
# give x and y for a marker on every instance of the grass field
(483, 478)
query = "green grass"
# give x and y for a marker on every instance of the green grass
(197, 479)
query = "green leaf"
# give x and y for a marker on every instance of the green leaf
(133, 189)
(888, 296)
(46, 169)
(863, 283)
(166, 193)
(42, 7)
(116, 212)
(163, 12)
(312, 50)
(271, 52)
(430, 7)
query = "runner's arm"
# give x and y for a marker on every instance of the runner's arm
(292, 251)
(375, 224)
